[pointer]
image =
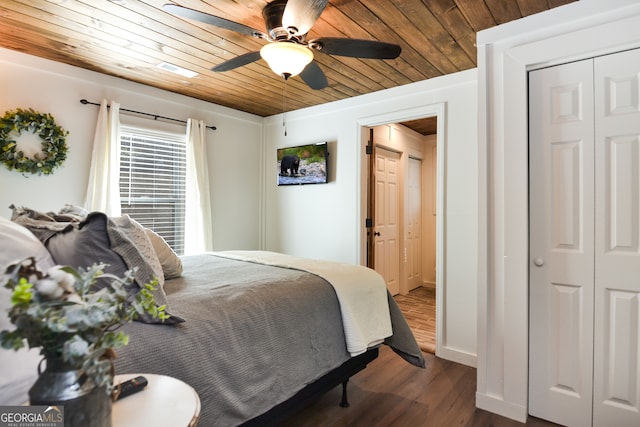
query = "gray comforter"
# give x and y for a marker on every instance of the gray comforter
(254, 335)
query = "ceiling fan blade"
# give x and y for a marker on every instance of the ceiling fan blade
(302, 14)
(313, 76)
(196, 15)
(238, 61)
(356, 48)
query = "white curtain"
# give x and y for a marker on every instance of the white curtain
(103, 191)
(198, 237)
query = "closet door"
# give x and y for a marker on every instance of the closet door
(561, 288)
(617, 249)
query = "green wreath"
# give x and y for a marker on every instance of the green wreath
(54, 146)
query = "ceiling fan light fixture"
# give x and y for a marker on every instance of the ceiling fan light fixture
(286, 59)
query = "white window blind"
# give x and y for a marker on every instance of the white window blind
(152, 181)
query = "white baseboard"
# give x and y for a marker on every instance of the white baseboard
(457, 356)
(497, 405)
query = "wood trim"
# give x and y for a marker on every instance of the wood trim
(371, 200)
(128, 39)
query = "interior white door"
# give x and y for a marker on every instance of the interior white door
(617, 250)
(386, 228)
(561, 153)
(414, 224)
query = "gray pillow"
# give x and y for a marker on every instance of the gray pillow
(95, 240)
(86, 245)
(141, 246)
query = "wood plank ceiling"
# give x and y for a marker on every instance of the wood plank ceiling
(129, 38)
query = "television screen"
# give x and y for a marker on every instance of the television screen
(303, 164)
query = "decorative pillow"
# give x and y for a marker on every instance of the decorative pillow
(31, 213)
(76, 211)
(18, 243)
(86, 245)
(69, 213)
(19, 369)
(123, 246)
(143, 273)
(135, 232)
(97, 239)
(42, 225)
(170, 261)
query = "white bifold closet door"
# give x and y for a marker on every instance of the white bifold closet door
(584, 334)
(616, 393)
(561, 282)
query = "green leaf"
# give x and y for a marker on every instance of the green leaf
(23, 293)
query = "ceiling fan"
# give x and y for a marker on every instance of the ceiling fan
(288, 53)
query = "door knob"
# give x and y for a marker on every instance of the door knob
(376, 233)
(539, 262)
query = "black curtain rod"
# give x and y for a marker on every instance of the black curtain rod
(155, 116)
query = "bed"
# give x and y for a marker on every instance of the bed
(257, 334)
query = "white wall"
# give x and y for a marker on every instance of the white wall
(326, 221)
(234, 149)
(505, 53)
(319, 221)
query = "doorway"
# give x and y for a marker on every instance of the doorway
(403, 207)
(418, 196)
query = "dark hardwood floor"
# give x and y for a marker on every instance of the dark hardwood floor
(391, 392)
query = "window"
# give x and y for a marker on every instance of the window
(152, 181)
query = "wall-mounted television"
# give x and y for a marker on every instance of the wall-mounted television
(303, 164)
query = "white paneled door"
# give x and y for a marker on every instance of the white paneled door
(616, 399)
(414, 225)
(561, 243)
(584, 164)
(387, 217)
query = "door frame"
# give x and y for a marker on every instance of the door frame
(437, 110)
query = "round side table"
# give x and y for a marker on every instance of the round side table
(165, 401)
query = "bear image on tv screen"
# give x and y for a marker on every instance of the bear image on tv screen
(302, 164)
(289, 166)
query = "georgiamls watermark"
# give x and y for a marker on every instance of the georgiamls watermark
(31, 416)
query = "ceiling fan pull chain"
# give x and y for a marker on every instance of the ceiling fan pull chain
(284, 106)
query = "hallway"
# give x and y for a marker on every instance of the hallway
(419, 308)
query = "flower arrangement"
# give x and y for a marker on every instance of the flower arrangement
(61, 312)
